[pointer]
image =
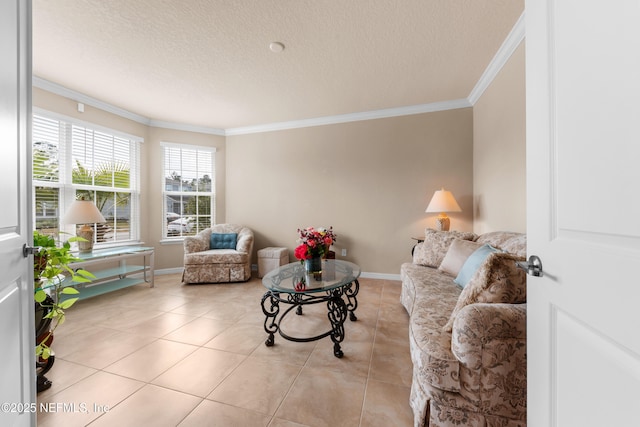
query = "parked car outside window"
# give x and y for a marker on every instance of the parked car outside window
(179, 226)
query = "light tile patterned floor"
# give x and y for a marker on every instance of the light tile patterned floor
(194, 355)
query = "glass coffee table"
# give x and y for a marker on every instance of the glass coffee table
(337, 286)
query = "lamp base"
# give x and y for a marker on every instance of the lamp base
(85, 232)
(443, 223)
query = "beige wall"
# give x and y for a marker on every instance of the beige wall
(499, 159)
(371, 180)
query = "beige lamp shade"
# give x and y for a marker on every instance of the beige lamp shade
(443, 201)
(83, 212)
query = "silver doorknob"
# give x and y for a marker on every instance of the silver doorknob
(30, 250)
(533, 266)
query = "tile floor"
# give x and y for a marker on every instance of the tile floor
(194, 355)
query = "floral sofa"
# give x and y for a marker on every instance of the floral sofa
(468, 345)
(218, 254)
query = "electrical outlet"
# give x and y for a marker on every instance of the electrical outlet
(344, 252)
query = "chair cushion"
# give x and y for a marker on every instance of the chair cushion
(223, 240)
(216, 256)
(430, 344)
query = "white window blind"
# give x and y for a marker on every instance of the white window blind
(48, 166)
(188, 189)
(73, 160)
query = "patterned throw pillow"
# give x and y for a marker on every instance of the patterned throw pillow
(435, 246)
(508, 241)
(456, 256)
(498, 280)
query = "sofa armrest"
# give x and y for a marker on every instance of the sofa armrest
(487, 335)
(198, 243)
(245, 241)
(489, 340)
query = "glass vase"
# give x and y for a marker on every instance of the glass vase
(313, 265)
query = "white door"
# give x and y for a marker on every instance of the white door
(17, 347)
(583, 208)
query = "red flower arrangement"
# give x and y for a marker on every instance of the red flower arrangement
(314, 242)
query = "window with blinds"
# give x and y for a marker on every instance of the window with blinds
(73, 161)
(189, 189)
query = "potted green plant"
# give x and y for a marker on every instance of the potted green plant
(52, 272)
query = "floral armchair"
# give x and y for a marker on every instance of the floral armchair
(219, 254)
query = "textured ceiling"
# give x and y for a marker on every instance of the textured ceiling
(208, 63)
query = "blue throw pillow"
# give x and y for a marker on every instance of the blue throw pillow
(223, 240)
(472, 264)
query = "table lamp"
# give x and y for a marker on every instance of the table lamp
(443, 201)
(83, 212)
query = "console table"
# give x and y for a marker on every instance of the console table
(113, 278)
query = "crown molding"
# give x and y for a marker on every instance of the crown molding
(188, 128)
(352, 117)
(510, 44)
(85, 99)
(318, 121)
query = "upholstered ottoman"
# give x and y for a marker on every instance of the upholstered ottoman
(270, 259)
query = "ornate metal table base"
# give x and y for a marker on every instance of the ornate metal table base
(337, 309)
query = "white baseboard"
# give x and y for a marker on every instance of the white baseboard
(168, 271)
(382, 276)
(364, 274)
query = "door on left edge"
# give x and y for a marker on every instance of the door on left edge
(17, 355)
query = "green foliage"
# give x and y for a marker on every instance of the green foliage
(108, 174)
(51, 270)
(197, 205)
(43, 240)
(45, 168)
